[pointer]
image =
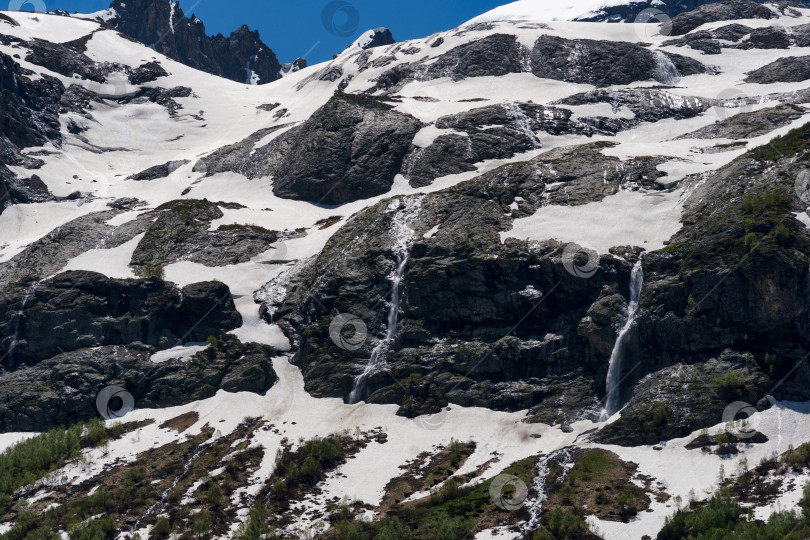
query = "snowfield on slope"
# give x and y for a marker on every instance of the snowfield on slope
(125, 139)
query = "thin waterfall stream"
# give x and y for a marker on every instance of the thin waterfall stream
(402, 237)
(617, 357)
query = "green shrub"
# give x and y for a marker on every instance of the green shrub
(449, 490)
(214, 494)
(749, 240)
(154, 270)
(202, 524)
(565, 525)
(391, 528)
(626, 498)
(161, 528)
(782, 234)
(310, 469)
(350, 530)
(255, 527)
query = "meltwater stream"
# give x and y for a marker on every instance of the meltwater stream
(614, 375)
(402, 237)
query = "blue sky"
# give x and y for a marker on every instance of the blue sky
(293, 28)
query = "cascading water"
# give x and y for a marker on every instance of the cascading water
(561, 458)
(402, 236)
(665, 70)
(522, 122)
(14, 339)
(620, 348)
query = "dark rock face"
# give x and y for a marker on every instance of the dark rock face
(677, 400)
(148, 72)
(180, 232)
(65, 61)
(350, 149)
(164, 27)
(29, 116)
(463, 292)
(749, 125)
(448, 154)
(49, 254)
(629, 11)
(602, 63)
(76, 310)
(759, 38)
(726, 10)
(158, 171)
(493, 55)
(30, 113)
(380, 38)
(15, 190)
(697, 304)
(496, 132)
(648, 105)
(793, 69)
(62, 390)
(505, 326)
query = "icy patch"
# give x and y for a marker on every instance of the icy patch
(803, 217)
(8, 440)
(427, 135)
(627, 218)
(182, 353)
(432, 232)
(113, 263)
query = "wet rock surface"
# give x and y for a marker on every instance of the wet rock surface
(78, 309)
(181, 233)
(795, 69)
(749, 124)
(62, 390)
(602, 63)
(464, 336)
(349, 149)
(726, 10)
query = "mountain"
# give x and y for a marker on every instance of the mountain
(163, 26)
(524, 278)
(591, 10)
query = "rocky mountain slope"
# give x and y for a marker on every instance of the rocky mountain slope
(524, 278)
(163, 26)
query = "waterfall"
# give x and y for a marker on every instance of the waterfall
(402, 236)
(614, 375)
(561, 458)
(15, 338)
(522, 122)
(665, 71)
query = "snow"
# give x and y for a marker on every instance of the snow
(22, 224)
(182, 353)
(10, 439)
(543, 10)
(105, 15)
(125, 139)
(427, 135)
(113, 262)
(644, 219)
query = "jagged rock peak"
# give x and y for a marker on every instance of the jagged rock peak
(375, 38)
(162, 25)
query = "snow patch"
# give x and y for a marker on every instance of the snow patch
(632, 218)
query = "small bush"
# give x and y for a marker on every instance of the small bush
(161, 529)
(214, 494)
(154, 270)
(449, 490)
(202, 524)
